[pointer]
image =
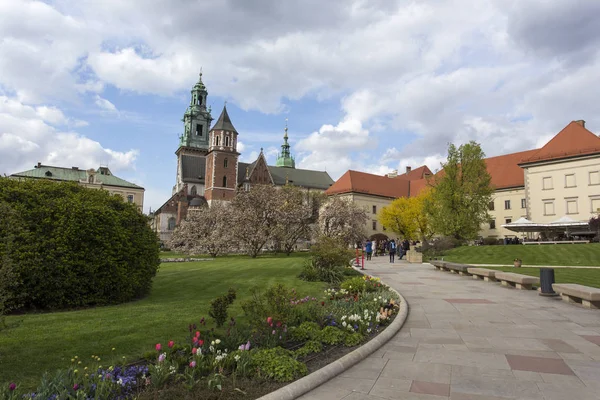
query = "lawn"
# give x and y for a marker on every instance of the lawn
(181, 295)
(559, 254)
(583, 276)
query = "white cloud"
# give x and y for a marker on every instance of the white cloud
(105, 105)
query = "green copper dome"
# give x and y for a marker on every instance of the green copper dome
(285, 159)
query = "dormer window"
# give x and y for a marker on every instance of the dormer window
(48, 173)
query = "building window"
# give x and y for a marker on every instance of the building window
(523, 203)
(548, 208)
(570, 180)
(595, 203)
(547, 183)
(198, 130)
(224, 181)
(507, 204)
(508, 220)
(217, 140)
(572, 206)
(227, 141)
(595, 178)
(193, 191)
(225, 163)
(492, 224)
(374, 209)
(374, 225)
(171, 223)
(130, 198)
(491, 206)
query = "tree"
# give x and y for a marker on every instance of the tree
(255, 214)
(459, 203)
(298, 210)
(205, 230)
(341, 219)
(407, 217)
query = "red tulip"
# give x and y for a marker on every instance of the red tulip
(197, 333)
(171, 344)
(194, 350)
(269, 320)
(195, 340)
(158, 346)
(201, 343)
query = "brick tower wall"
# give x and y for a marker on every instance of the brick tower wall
(215, 171)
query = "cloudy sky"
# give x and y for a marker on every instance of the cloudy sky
(371, 85)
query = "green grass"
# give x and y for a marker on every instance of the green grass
(583, 276)
(181, 295)
(548, 254)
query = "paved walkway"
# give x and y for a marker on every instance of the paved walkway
(474, 340)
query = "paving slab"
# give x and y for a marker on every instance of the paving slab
(474, 340)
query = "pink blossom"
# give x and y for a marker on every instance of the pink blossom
(197, 333)
(194, 350)
(162, 357)
(200, 342)
(272, 333)
(245, 347)
(195, 340)
(269, 320)
(171, 344)
(193, 364)
(158, 346)
(75, 386)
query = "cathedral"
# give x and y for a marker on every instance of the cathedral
(209, 170)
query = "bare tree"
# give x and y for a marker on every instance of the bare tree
(255, 216)
(341, 219)
(205, 230)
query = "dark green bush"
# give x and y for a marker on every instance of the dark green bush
(353, 339)
(306, 331)
(277, 364)
(490, 241)
(219, 306)
(312, 346)
(72, 247)
(331, 335)
(329, 257)
(439, 246)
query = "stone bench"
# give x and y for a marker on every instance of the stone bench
(587, 296)
(455, 268)
(488, 275)
(438, 264)
(518, 281)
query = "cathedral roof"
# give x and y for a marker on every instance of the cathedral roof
(224, 122)
(299, 177)
(74, 174)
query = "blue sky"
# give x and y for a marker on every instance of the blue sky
(367, 85)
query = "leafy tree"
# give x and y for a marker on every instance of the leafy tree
(255, 214)
(458, 205)
(341, 219)
(205, 230)
(69, 246)
(407, 217)
(297, 213)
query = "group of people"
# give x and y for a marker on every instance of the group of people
(386, 246)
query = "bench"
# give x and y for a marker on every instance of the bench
(455, 268)
(488, 275)
(589, 297)
(438, 264)
(518, 281)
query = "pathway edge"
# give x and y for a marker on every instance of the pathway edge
(322, 375)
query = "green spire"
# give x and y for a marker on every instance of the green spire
(197, 118)
(285, 159)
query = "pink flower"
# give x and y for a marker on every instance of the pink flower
(162, 357)
(272, 333)
(278, 324)
(158, 347)
(245, 347)
(194, 350)
(195, 340)
(200, 343)
(197, 333)
(269, 320)
(171, 344)
(12, 386)
(75, 386)
(193, 364)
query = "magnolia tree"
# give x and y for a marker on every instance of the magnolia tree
(205, 230)
(255, 217)
(343, 220)
(298, 212)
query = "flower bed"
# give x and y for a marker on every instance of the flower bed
(285, 332)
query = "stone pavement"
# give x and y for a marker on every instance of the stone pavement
(475, 340)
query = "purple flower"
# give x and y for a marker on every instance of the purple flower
(12, 386)
(75, 387)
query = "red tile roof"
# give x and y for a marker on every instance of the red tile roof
(417, 173)
(417, 186)
(376, 185)
(573, 140)
(505, 170)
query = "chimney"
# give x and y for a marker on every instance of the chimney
(408, 169)
(75, 168)
(39, 165)
(580, 122)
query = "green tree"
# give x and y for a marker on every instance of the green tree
(459, 203)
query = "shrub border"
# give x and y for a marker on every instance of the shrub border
(322, 375)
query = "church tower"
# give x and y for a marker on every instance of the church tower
(222, 160)
(285, 159)
(193, 144)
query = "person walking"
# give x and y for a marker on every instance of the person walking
(392, 250)
(369, 249)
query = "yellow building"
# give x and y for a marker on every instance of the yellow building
(560, 179)
(100, 178)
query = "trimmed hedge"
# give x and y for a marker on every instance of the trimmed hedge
(66, 246)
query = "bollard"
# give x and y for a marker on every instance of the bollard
(546, 281)
(363, 260)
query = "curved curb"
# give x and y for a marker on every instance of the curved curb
(320, 376)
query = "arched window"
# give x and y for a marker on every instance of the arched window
(225, 162)
(224, 181)
(193, 191)
(216, 140)
(171, 223)
(227, 141)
